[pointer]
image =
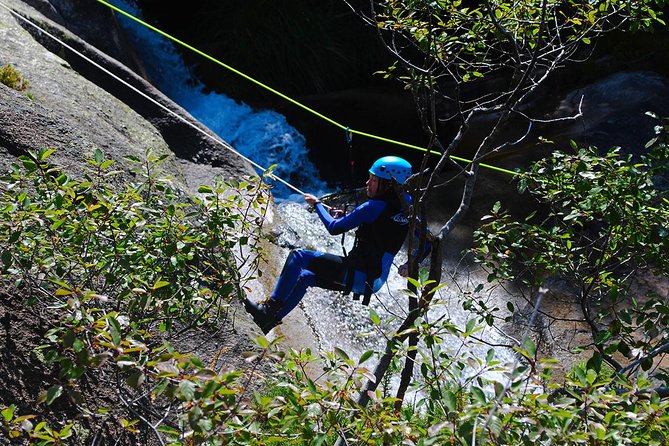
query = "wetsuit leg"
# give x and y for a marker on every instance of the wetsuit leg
(304, 269)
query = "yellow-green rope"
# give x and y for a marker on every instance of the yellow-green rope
(291, 100)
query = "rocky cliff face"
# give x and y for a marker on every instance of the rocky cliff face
(76, 107)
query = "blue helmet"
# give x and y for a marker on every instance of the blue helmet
(391, 168)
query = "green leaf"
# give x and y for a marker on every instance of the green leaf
(499, 389)
(581, 375)
(53, 393)
(78, 345)
(186, 390)
(159, 284)
(374, 317)
(573, 215)
(342, 354)
(66, 432)
(478, 394)
(28, 164)
(365, 356)
(8, 413)
(471, 323)
(450, 401)
(423, 274)
(15, 236)
(602, 336)
(58, 223)
(115, 331)
(530, 347)
(595, 363)
(61, 284)
(45, 154)
(263, 342)
(61, 180)
(132, 159)
(6, 258)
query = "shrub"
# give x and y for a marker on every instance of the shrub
(12, 78)
(111, 269)
(120, 265)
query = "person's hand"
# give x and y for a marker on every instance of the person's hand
(403, 269)
(311, 199)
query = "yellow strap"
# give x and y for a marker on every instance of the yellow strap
(291, 100)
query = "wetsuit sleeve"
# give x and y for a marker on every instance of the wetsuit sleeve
(367, 212)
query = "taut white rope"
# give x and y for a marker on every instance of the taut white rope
(181, 118)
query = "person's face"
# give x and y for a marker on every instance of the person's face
(373, 186)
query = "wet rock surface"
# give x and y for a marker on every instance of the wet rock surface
(77, 110)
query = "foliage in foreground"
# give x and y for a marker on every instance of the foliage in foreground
(118, 271)
(122, 266)
(606, 225)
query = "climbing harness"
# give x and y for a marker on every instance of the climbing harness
(395, 170)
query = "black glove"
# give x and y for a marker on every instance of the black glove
(336, 213)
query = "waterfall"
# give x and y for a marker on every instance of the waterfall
(263, 136)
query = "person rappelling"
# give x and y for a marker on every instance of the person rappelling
(382, 225)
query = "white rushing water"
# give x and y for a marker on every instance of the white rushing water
(263, 136)
(266, 138)
(340, 321)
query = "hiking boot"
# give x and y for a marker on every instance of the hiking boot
(264, 314)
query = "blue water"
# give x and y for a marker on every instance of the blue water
(263, 136)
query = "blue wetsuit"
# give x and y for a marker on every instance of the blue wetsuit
(382, 228)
